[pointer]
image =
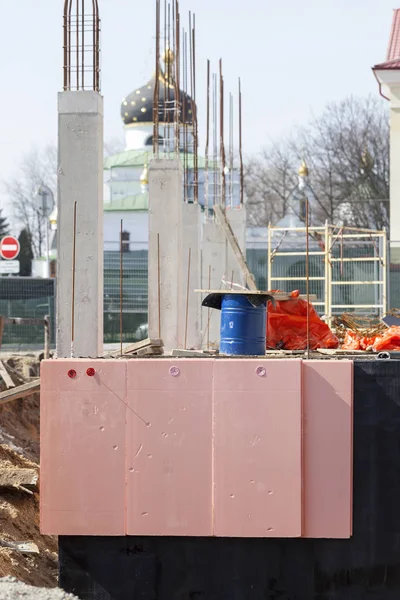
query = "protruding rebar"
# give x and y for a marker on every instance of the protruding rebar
(156, 98)
(231, 150)
(121, 280)
(241, 146)
(206, 173)
(73, 281)
(221, 141)
(78, 22)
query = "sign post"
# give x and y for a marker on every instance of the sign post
(9, 250)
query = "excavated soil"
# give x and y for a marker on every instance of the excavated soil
(19, 510)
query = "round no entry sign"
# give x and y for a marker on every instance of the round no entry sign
(9, 247)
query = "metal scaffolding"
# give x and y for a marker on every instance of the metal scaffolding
(347, 267)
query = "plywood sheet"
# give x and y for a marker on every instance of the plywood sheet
(169, 447)
(257, 448)
(83, 448)
(328, 448)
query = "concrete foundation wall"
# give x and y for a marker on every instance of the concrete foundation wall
(80, 179)
(365, 566)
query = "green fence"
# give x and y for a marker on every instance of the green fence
(27, 297)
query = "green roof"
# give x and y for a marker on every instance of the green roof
(137, 202)
(138, 158)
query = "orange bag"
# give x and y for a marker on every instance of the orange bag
(390, 340)
(287, 326)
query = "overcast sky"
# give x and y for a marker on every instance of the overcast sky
(293, 57)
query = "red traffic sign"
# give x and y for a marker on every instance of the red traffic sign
(9, 247)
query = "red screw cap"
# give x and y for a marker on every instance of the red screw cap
(90, 372)
(72, 373)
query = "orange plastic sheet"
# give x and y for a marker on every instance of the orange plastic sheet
(287, 326)
(389, 340)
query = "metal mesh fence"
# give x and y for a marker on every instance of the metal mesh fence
(134, 294)
(26, 297)
(355, 260)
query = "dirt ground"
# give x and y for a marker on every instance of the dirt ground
(19, 510)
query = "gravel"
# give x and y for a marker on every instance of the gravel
(11, 588)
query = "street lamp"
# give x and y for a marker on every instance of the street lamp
(44, 199)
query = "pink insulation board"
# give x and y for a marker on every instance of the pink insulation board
(82, 447)
(257, 448)
(328, 448)
(199, 447)
(169, 448)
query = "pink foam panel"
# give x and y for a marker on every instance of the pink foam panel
(328, 456)
(83, 447)
(169, 447)
(257, 446)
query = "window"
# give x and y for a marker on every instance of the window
(125, 241)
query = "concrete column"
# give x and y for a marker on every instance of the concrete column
(165, 250)
(214, 253)
(191, 232)
(80, 179)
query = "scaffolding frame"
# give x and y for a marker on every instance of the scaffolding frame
(333, 240)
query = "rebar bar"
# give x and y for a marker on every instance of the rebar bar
(222, 142)
(206, 174)
(156, 131)
(121, 279)
(241, 146)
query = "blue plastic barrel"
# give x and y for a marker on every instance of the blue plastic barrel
(243, 327)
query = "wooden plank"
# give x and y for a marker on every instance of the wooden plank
(4, 374)
(22, 547)
(224, 223)
(150, 351)
(20, 392)
(15, 477)
(133, 348)
(190, 353)
(279, 296)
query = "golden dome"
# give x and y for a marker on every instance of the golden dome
(168, 56)
(303, 170)
(144, 178)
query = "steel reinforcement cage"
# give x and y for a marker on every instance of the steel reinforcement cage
(81, 46)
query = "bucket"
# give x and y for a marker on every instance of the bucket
(243, 327)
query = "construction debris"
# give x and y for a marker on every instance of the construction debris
(24, 552)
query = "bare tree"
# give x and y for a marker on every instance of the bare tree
(37, 168)
(346, 149)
